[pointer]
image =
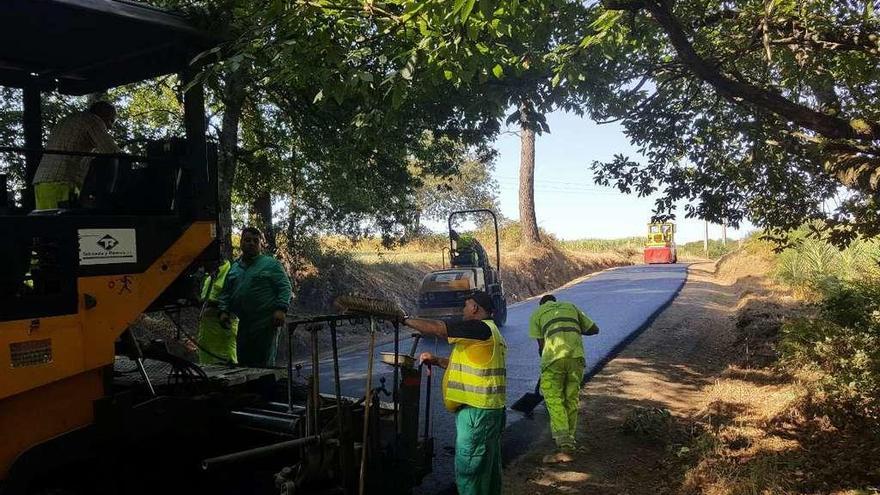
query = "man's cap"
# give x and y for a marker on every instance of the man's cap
(546, 298)
(483, 300)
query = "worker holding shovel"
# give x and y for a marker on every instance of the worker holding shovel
(558, 327)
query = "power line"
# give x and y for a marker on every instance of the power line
(560, 184)
(567, 190)
(556, 181)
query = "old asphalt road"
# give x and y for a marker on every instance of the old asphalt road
(622, 301)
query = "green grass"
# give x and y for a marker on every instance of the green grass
(813, 262)
(637, 244)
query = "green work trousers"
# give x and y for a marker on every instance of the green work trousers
(257, 342)
(216, 342)
(478, 450)
(560, 383)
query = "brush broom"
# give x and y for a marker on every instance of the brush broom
(380, 308)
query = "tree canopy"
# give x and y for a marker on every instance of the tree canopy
(758, 109)
(765, 109)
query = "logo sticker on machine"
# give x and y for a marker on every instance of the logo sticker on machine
(107, 246)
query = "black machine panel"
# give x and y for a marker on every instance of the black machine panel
(48, 253)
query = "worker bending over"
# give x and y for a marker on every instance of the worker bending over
(257, 290)
(59, 178)
(474, 389)
(558, 327)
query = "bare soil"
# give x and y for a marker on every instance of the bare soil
(669, 367)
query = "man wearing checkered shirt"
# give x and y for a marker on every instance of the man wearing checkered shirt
(60, 177)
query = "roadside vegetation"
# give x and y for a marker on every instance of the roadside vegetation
(717, 249)
(688, 251)
(798, 408)
(337, 265)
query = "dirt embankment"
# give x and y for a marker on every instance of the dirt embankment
(526, 272)
(692, 406)
(532, 271)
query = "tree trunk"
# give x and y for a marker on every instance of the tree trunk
(413, 228)
(233, 100)
(527, 217)
(262, 212)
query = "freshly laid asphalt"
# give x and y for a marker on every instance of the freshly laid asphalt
(622, 301)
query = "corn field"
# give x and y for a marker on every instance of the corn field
(814, 261)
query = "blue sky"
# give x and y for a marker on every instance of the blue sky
(567, 202)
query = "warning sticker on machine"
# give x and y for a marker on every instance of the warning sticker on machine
(107, 246)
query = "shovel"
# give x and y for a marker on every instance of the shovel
(528, 402)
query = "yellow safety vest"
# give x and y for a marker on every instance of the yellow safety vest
(213, 284)
(477, 373)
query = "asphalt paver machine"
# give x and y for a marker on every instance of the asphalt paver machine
(660, 243)
(443, 292)
(87, 408)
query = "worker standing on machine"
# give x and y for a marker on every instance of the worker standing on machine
(558, 327)
(60, 177)
(216, 341)
(258, 291)
(475, 389)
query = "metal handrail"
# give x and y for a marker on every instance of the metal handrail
(497, 237)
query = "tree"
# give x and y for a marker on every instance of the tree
(308, 119)
(471, 187)
(527, 216)
(758, 109)
(502, 50)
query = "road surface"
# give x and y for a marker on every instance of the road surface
(622, 301)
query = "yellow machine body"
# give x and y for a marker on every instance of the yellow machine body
(52, 369)
(660, 235)
(660, 244)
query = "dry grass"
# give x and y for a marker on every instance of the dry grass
(757, 397)
(738, 455)
(435, 260)
(766, 433)
(526, 270)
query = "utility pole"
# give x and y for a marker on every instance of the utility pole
(724, 232)
(706, 237)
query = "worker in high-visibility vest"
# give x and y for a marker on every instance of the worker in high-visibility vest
(558, 327)
(216, 342)
(474, 389)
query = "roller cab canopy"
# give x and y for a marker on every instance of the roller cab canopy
(78, 47)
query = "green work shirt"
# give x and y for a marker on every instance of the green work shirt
(254, 289)
(561, 325)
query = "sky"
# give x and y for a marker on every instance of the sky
(567, 202)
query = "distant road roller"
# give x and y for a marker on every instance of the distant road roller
(660, 244)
